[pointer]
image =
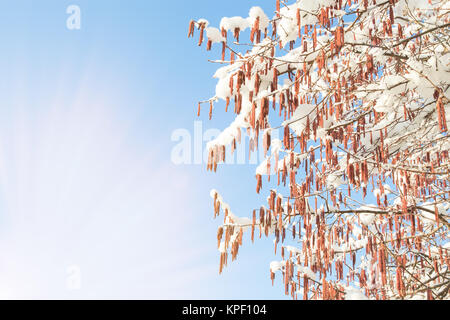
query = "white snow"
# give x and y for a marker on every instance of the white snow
(299, 119)
(214, 34)
(354, 294)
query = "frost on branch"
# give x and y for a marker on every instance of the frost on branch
(360, 90)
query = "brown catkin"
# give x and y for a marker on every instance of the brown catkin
(200, 39)
(191, 28)
(219, 236)
(259, 183)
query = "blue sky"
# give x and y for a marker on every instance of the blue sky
(86, 179)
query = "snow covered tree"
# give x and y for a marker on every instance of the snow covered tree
(358, 203)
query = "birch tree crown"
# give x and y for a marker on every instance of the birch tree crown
(357, 189)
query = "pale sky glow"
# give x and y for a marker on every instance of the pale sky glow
(75, 193)
(87, 187)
